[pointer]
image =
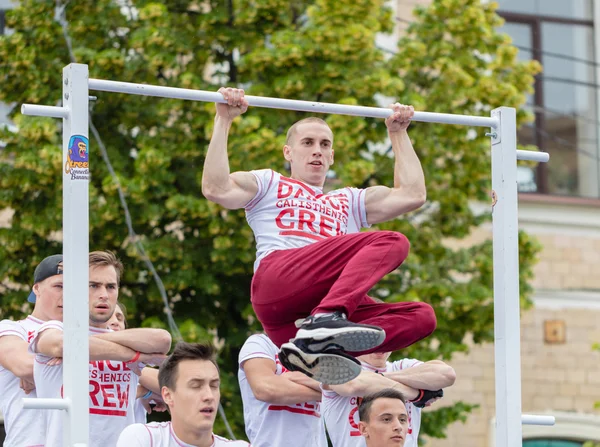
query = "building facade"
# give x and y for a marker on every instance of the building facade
(559, 203)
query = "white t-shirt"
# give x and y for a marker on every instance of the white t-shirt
(139, 412)
(341, 413)
(112, 394)
(299, 425)
(23, 427)
(287, 213)
(161, 434)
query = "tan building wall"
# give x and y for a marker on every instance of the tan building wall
(559, 374)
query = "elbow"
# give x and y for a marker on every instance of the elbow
(446, 372)
(419, 199)
(264, 394)
(209, 192)
(449, 375)
(163, 341)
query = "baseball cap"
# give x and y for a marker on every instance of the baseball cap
(50, 266)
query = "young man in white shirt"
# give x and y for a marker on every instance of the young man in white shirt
(115, 358)
(313, 264)
(26, 427)
(420, 383)
(383, 419)
(189, 381)
(278, 402)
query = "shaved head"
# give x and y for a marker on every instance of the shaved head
(292, 130)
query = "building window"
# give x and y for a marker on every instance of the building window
(2, 21)
(560, 35)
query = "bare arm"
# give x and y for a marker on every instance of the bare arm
(15, 357)
(369, 382)
(274, 389)
(50, 343)
(149, 380)
(219, 185)
(433, 375)
(144, 340)
(409, 192)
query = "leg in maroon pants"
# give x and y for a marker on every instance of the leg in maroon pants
(335, 275)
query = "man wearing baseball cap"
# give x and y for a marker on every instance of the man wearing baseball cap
(23, 427)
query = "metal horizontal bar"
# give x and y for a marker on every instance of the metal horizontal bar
(46, 404)
(287, 104)
(50, 111)
(541, 157)
(532, 419)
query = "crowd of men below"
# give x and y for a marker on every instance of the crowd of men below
(379, 408)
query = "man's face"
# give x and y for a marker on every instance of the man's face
(104, 292)
(387, 425)
(196, 396)
(117, 321)
(49, 298)
(310, 153)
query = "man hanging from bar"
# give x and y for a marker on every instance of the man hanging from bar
(313, 264)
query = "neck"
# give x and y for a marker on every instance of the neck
(376, 365)
(39, 315)
(199, 438)
(99, 325)
(320, 184)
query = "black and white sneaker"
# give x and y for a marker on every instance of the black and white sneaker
(336, 332)
(331, 367)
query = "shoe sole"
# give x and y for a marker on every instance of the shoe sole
(330, 369)
(350, 339)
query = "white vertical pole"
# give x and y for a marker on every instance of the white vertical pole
(507, 328)
(76, 176)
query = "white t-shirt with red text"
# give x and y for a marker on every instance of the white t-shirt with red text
(299, 425)
(287, 213)
(24, 428)
(112, 394)
(341, 413)
(161, 434)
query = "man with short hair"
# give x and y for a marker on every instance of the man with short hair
(314, 267)
(25, 427)
(189, 381)
(114, 357)
(421, 383)
(383, 419)
(276, 401)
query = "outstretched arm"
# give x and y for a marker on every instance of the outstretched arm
(369, 382)
(230, 190)
(433, 375)
(269, 387)
(409, 192)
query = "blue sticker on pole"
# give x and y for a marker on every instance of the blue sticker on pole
(77, 164)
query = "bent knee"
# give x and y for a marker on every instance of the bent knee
(427, 319)
(400, 243)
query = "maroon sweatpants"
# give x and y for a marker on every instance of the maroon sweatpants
(335, 274)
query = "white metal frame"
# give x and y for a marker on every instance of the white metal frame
(502, 123)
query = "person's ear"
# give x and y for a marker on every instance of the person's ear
(363, 429)
(167, 396)
(287, 152)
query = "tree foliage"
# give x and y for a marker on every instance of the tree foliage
(450, 59)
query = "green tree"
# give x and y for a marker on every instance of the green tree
(451, 60)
